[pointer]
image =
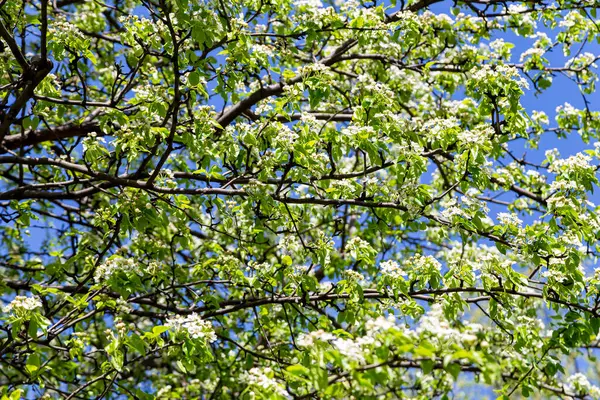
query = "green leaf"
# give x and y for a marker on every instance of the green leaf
(33, 363)
(159, 329)
(194, 78)
(117, 359)
(136, 343)
(423, 352)
(297, 369)
(180, 366)
(427, 366)
(453, 369)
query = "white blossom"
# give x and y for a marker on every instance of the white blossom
(490, 72)
(262, 379)
(113, 265)
(479, 135)
(584, 60)
(540, 117)
(380, 324)
(309, 339)
(567, 109)
(508, 219)
(22, 305)
(262, 50)
(425, 263)
(579, 383)
(576, 163)
(308, 3)
(532, 52)
(352, 275)
(194, 325)
(350, 349)
(497, 45)
(517, 8)
(391, 268)
(285, 137)
(163, 391)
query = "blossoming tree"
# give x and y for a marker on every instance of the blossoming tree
(297, 199)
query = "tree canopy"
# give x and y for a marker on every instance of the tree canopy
(273, 199)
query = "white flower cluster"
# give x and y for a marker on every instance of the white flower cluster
(356, 244)
(543, 40)
(290, 244)
(22, 305)
(517, 8)
(362, 132)
(503, 176)
(423, 264)
(531, 53)
(474, 257)
(262, 51)
(352, 349)
(315, 67)
(285, 137)
(145, 92)
(310, 339)
(563, 185)
(262, 379)
(570, 20)
(167, 177)
(570, 238)
(499, 48)
(368, 83)
(346, 187)
(308, 3)
(479, 135)
(429, 17)
(584, 60)
(254, 187)
(354, 276)
(317, 164)
(238, 23)
(308, 118)
(540, 117)
(380, 324)
(106, 270)
(263, 107)
(580, 162)
(554, 276)
(492, 72)
(163, 391)
(535, 177)
(524, 14)
(92, 142)
(452, 209)
(551, 154)
(509, 219)
(63, 30)
(580, 384)
(461, 109)
(391, 268)
(435, 324)
(591, 220)
(194, 325)
(438, 127)
(561, 202)
(567, 110)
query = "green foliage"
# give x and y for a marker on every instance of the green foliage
(296, 199)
